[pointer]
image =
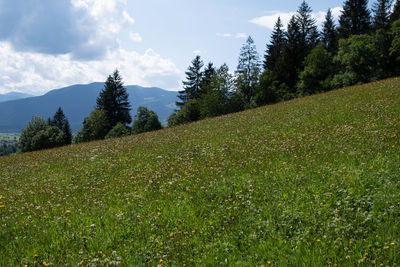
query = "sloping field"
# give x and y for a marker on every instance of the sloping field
(313, 181)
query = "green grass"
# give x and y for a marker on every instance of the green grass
(310, 182)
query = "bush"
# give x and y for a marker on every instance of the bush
(95, 127)
(118, 130)
(145, 121)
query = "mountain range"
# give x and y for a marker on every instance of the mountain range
(77, 102)
(13, 96)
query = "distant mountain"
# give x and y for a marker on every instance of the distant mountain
(13, 96)
(77, 102)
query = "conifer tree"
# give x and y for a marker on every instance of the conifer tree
(248, 70)
(329, 33)
(275, 48)
(58, 119)
(293, 56)
(395, 15)
(192, 85)
(113, 99)
(67, 133)
(382, 9)
(355, 18)
(208, 76)
(308, 27)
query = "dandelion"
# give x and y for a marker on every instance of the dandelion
(68, 211)
(161, 260)
(318, 240)
(392, 243)
(269, 262)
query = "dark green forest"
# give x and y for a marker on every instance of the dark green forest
(298, 61)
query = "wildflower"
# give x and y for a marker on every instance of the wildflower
(161, 260)
(45, 264)
(318, 240)
(171, 234)
(269, 262)
(2, 206)
(392, 243)
(36, 255)
(68, 211)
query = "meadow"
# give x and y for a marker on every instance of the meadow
(309, 182)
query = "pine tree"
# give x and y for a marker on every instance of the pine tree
(58, 119)
(208, 76)
(192, 85)
(396, 12)
(355, 18)
(293, 56)
(275, 48)
(248, 70)
(382, 9)
(308, 27)
(67, 133)
(329, 33)
(113, 99)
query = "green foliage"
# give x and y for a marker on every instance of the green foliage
(145, 121)
(275, 49)
(318, 72)
(395, 15)
(355, 18)
(36, 125)
(39, 135)
(382, 11)
(329, 35)
(309, 182)
(358, 58)
(58, 119)
(395, 46)
(189, 113)
(192, 85)
(118, 130)
(113, 99)
(67, 133)
(95, 127)
(8, 148)
(248, 70)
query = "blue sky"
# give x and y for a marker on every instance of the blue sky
(47, 44)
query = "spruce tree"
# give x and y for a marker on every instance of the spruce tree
(382, 9)
(248, 70)
(58, 119)
(293, 56)
(67, 133)
(396, 12)
(208, 76)
(308, 28)
(113, 99)
(192, 85)
(355, 18)
(329, 33)
(275, 48)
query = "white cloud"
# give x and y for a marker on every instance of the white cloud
(135, 37)
(269, 20)
(127, 17)
(236, 35)
(37, 73)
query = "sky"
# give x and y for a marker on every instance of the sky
(48, 44)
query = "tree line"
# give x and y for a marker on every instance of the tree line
(110, 118)
(298, 61)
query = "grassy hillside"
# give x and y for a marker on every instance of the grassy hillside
(313, 181)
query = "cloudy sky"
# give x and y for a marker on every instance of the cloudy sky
(47, 44)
